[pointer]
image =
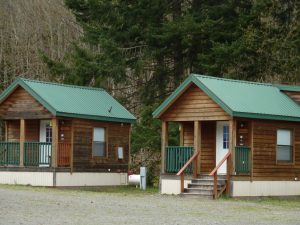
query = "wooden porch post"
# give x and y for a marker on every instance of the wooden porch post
(231, 149)
(251, 150)
(54, 142)
(197, 146)
(164, 143)
(181, 127)
(233, 141)
(72, 147)
(6, 130)
(22, 140)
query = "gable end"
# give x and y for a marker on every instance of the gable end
(20, 104)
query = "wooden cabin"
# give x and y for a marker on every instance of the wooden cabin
(63, 135)
(236, 137)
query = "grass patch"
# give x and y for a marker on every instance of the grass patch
(115, 189)
(285, 201)
(126, 190)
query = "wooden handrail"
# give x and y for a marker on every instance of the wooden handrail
(181, 171)
(219, 164)
(214, 173)
(188, 163)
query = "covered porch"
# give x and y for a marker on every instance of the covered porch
(36, 143)
(209, 148)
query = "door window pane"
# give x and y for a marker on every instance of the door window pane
(226, 137)
(48, 133)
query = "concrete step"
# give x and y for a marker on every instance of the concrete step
(208, 191)
(205, 186)
(207, 177)
(206, 181)
(196, 195)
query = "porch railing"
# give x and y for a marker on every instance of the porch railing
(242, 160)
(37, 153)
(176, 158)
(64, 154)
(9, 153)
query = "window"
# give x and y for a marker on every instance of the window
(48, 132)
(284, 145)
(99, 144)
(226, 137)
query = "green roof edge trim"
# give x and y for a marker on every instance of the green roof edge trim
(191, 79)
(20, 82)
(283, 87)
(265, 116)
(91, 117)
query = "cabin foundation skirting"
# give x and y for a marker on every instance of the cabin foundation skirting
(62, 179)
(265, 188)
(170, 184)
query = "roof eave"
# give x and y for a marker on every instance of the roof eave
(266, 116)
(93, 117)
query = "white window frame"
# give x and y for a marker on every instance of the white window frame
(99, 140)
(281, 142)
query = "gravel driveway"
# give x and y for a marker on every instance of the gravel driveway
(26, 205)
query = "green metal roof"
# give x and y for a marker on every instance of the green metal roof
(241, 98)
(73, 101)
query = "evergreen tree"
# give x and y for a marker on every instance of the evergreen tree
(141, 50)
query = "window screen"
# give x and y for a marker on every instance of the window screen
(99, 144)
(284, 145)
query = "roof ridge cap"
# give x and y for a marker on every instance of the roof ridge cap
(232, 80)
(62, 84)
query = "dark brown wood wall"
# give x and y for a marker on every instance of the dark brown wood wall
(64, 130)
(193, 105)
(188, 133)
(208, 147)
(32, 130)
(117, 135)
(21, 104)
(208, 143)
(13, 130)
(264, 156)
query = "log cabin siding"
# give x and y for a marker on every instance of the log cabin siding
(117, 135)
(188, 134)
(193, 105)
(20, 104)
(64, 130)
(293, 95)
(13, 130)
(208, 147)
(265, 166)
(32, 130)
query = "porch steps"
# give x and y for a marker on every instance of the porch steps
(203, 186)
